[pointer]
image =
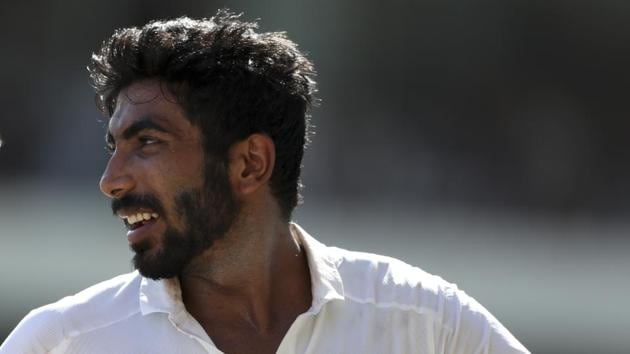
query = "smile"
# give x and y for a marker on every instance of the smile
(139, 219)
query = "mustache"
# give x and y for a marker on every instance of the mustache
(137, 201)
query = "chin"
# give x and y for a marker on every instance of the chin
(154, 266)
(160, 262)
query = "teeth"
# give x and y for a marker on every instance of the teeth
(132, 219)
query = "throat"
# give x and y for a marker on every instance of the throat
(248, 289)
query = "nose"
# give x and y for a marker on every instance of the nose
(116, 181)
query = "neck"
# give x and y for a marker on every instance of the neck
(256, 276)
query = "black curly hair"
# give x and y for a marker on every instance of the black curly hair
(230, 80)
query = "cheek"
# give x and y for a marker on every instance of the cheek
(171, 173)
(170, 186)
(185, 167)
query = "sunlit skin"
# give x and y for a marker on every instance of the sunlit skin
(248, 288)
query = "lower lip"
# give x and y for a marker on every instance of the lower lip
(136, 235)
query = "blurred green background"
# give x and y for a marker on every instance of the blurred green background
(484, 141)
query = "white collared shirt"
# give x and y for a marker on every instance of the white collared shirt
(362, 303)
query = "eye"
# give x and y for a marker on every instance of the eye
(148, 140)
(148, 144)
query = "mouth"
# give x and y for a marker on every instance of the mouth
(136, 220)
(140, 224)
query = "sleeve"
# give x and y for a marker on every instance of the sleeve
(39, 332)
(475, 330)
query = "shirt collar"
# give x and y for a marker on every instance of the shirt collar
(162, 295)
(325, 279)
(165, 295)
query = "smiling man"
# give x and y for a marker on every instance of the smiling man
(207, 125)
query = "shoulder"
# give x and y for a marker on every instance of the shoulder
(102, 304)
(388, 283)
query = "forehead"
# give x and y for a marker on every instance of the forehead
(148, 99)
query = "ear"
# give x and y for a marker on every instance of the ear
(251, 163)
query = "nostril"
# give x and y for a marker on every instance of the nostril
(115, 193)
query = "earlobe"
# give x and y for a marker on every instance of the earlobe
(252, 164)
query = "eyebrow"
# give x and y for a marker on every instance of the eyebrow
(135, 128)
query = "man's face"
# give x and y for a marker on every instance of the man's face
(173, 200)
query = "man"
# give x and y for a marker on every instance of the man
(207, 126)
